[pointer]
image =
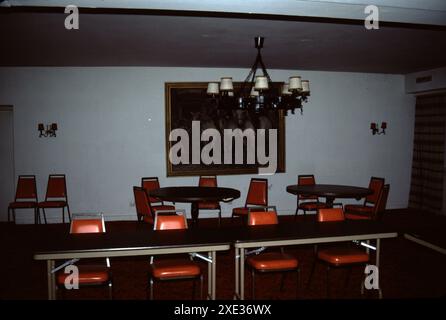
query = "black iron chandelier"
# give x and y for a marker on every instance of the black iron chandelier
(257, 93)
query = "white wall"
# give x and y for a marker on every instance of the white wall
(437, 82)
(105, 142)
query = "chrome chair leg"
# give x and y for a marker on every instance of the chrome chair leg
(253, 286)
(110, 291)
(201, 287)
(313, 268)
(193, 288)
(328, 280)
(297, 282)
(151, 288)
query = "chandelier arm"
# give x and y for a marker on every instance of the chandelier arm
(265, 73)
(251, 76)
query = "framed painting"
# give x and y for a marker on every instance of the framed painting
(191, 116)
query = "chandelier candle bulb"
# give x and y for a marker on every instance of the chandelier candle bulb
(285, 89)
(261, 83)
(212, 88)
(295, 83)
(226, 84)
(254, 92)
(305, 86)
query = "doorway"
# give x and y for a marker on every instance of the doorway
(7, 173)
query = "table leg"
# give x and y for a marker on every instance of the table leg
(237, 282)
(210, 276)
(194, 213)
(378, 245)
(214, 272)
(51, 277)
(242, 274)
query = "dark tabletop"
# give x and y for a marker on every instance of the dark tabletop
(330, 190)
(141, 236)
(195, 194)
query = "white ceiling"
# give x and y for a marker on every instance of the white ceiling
(148, 37)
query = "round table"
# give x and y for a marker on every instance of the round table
(330, 191)
(194, 195)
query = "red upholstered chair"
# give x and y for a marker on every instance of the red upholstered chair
(269, 261)
(151, 183)
(378, 208)
(56, 195)
(90, 274)
(257, 196)
(25, 197)
(209, 181)
(367, 208)
(173, 269)
(143, 210)
(346, 255)
(307, 202)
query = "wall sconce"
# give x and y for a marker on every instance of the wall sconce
(49, 131)
(375, 130)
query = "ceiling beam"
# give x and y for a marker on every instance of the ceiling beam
(421, 12)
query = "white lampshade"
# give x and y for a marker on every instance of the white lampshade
(261, 83)
(212, 88)
(226, 84)
(254, 92)
(285, 89)
(295, 83)
(305, 86)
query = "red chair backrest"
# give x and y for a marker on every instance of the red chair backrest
(376, 184)
(93, 225)
(330, 214)
(256, 218)
(382, 202)
(26, 187)
(257, 192)
(306, 180)
(150, 183)
(142, 204)
(56, 187)
(170, 222)
(207, 181)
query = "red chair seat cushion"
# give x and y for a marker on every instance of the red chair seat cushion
(23, 204)
(209, 205)
(88, 275)
(162, 207)
(272, 261)
(312, 205)
(240, 211)
(358, 208)
(357, 216)
(177, 268)
(52, 204)
(341, 256)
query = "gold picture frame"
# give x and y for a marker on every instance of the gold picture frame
(187, 101)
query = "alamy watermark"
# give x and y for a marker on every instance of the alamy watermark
(72, 279)
(234, 141)
(72, 20)
(372, 20)
(371, 281)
